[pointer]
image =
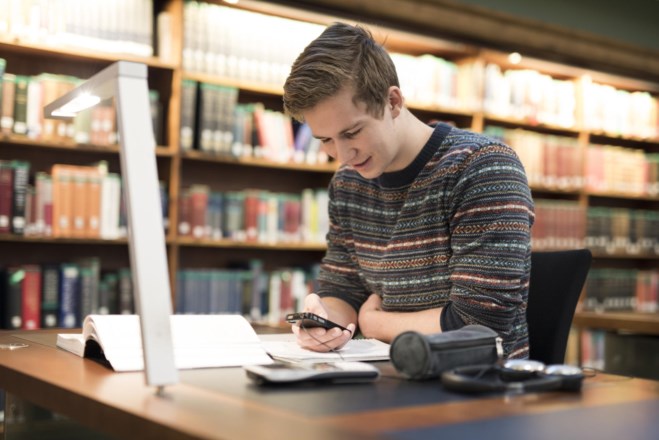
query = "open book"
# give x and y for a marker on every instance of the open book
(284, 347)
(200, 341)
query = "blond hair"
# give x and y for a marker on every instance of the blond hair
(343, 55)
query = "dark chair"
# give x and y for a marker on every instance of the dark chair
(556, 282)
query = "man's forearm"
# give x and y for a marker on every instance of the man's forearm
(385, 326)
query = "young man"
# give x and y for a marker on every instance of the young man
(429, 226)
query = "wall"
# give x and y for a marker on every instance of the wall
(629, 21)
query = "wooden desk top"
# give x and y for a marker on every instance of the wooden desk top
(223, 403)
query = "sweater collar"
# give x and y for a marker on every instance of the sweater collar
(397, 179)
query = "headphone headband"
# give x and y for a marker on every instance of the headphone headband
(492, 378)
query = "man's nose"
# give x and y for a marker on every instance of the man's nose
(345, 153)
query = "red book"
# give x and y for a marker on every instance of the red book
(198, 210)
(184, 214)
(252, 214)
(31, 297)
(292, 219)
(6, 196)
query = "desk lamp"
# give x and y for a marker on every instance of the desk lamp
(127, 83)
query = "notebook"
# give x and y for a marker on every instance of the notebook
(285, 347)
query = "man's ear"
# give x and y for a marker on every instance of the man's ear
(395, 101)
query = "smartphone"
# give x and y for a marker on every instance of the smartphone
(308, 320)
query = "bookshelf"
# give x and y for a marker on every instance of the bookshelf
(198, 53)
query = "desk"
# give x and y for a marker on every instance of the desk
(222, 403)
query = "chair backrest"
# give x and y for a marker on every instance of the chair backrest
(554, 288)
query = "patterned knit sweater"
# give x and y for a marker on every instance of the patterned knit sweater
(451, 230)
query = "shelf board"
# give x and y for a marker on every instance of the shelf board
(620, 195)
(646, 323)
(70, 146)
(434, 108)
(233, 244)
(10, 238)
(252, 86)
(613, 138)
(42, 48)
(491, 118)
(623, 255)
(329, 167)
(569, 190)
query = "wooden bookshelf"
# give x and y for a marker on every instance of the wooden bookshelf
(643, 323)
(182, 168)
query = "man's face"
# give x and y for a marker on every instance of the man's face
(353, 137)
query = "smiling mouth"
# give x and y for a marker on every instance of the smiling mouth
(361, 164)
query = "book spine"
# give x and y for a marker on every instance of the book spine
(31, 297)
(3, 66)
(198, 209)
(34, 108)
(93, 209)
(11, 299)
(126, 306)
(155, 108)
(62, 177)
(49, 298)
(188, 109)
(90, 273)
(21, 177)
(6, 196)
(79, 201)
(8, 92)
(206, 117)
(20, 105)
(110, 305)
(69, 296)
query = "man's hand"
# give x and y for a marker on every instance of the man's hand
(318, 338)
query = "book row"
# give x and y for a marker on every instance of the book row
(119, 26)
(254, 215)
(613, 230)
(622, 170)
(72, 201)
(561, 224)
(263, 296)
(36, 296)
(549, 160)
(22, 99)
(215, 43)
(622, 290)
(631, 355)
(235, 43)
(214, 122)
(61, 295)
(555, 161)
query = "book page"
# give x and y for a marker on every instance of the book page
(72, 342)
(200, 341)
(285, 347)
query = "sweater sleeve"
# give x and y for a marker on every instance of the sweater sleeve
(491, 216)
(339, 273)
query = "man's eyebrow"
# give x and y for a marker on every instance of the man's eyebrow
(342, 132)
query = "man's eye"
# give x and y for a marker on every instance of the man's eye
(325, 141)
(352, 134)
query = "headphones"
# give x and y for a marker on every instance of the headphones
(515, 375)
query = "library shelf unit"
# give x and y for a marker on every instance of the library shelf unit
(182, 168)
